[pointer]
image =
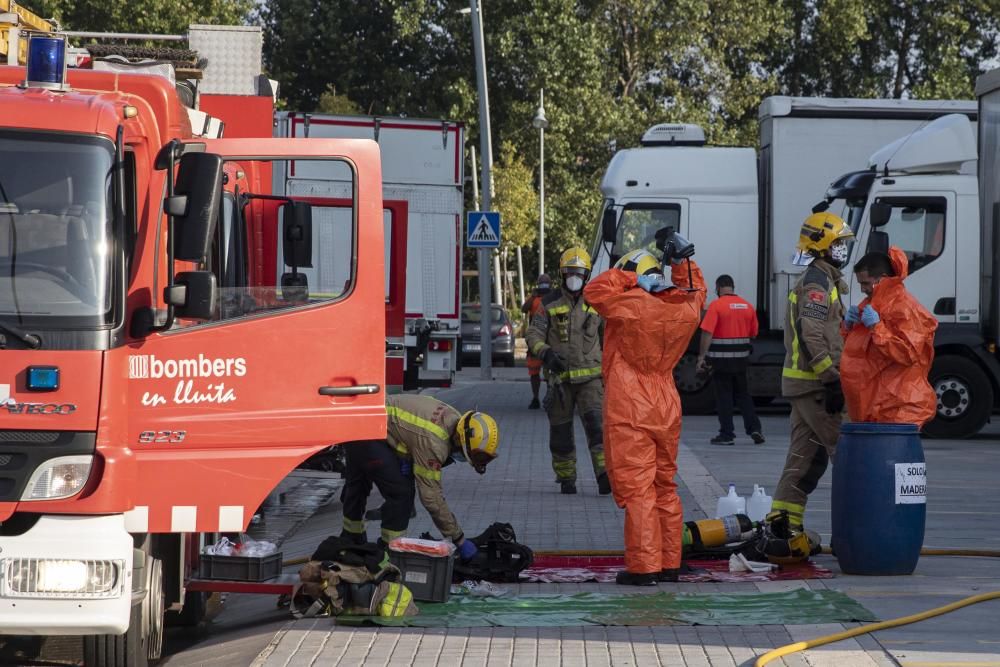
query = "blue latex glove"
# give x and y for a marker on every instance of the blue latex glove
(647, 283)
(406, 467)
(869, 317)
(467, 550)
(653, 283)
(852, 317)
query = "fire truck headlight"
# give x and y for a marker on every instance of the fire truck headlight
(60, 477)
(42, 577)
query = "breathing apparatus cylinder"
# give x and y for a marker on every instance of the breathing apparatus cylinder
(709, 533)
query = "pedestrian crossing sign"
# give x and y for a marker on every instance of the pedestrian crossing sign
(483, 229)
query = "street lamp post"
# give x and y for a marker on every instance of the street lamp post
(540, 122)
(485, 140)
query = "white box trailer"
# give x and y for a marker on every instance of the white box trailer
(422, 165)
(744, 214)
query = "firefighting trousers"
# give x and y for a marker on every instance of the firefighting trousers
(813, 444)
(374, 462)
(561, 400)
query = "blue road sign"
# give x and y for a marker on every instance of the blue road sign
(483, 229)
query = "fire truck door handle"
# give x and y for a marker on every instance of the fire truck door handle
(355, 390)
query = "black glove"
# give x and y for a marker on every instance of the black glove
(552, 361)
(834, 398)
(674, 246)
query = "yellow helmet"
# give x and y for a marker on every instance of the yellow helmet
(478, 435)
(575, 258)
(639, 262)
(820, 230)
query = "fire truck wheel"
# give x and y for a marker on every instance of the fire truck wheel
(142, 643)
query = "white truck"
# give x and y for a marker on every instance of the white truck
(922, 194)
(423, 167)
(743, 209)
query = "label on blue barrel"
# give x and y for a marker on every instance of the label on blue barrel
(911, 483)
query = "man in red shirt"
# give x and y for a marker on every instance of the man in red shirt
(726, 331)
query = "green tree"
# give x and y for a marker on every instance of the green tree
(149, 16)
(514, 195)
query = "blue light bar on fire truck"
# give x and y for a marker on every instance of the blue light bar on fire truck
(46, 62)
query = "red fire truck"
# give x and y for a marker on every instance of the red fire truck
(160, 374)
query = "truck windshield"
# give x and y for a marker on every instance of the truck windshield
(55, 224)
(639, 223)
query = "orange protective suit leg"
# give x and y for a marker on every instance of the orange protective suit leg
(634, 478)
(671, 511)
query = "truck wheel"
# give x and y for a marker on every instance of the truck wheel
(192, 613)
(697, 397)
(142, 643)
(964, 398)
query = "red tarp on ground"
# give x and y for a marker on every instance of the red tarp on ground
(602, 569)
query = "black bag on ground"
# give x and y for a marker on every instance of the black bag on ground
(501, 558)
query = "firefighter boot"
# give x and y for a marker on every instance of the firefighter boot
(568, 487)
(669, 575)
(603, 484)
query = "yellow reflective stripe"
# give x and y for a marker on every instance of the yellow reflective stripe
(793, 509)
(587, 308)
(798, 375)
(537, 347)
(401, 448)
(427, 473)
(582, 372)
(793, 299)
(834, 294)
(354, 526)
(823, 365)
(558, 310)
(390, 535)
(419, 422)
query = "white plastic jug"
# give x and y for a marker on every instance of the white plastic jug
(731, 504)
(759, 504)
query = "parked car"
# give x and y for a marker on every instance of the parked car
(500, 326)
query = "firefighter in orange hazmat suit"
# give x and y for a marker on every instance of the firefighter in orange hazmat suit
(648, 327)
(888, 347)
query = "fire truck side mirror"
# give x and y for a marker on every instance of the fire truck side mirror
(193, 295)
(297, 234)
(195, 205)
(609, 225)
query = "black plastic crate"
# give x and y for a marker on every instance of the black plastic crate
(240, 568)
(427, 577)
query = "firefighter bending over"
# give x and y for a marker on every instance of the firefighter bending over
(423, 436)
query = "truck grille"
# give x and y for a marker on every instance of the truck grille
(23, 451)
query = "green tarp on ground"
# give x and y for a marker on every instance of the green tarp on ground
(797, 607)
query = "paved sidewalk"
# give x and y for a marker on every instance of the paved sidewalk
(519, 488)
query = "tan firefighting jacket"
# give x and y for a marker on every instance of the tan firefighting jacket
(812, 331)
(420, 429)
(571, 327)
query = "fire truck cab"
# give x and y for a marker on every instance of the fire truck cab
(159, 374)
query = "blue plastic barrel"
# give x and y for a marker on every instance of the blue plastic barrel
(879, 498)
